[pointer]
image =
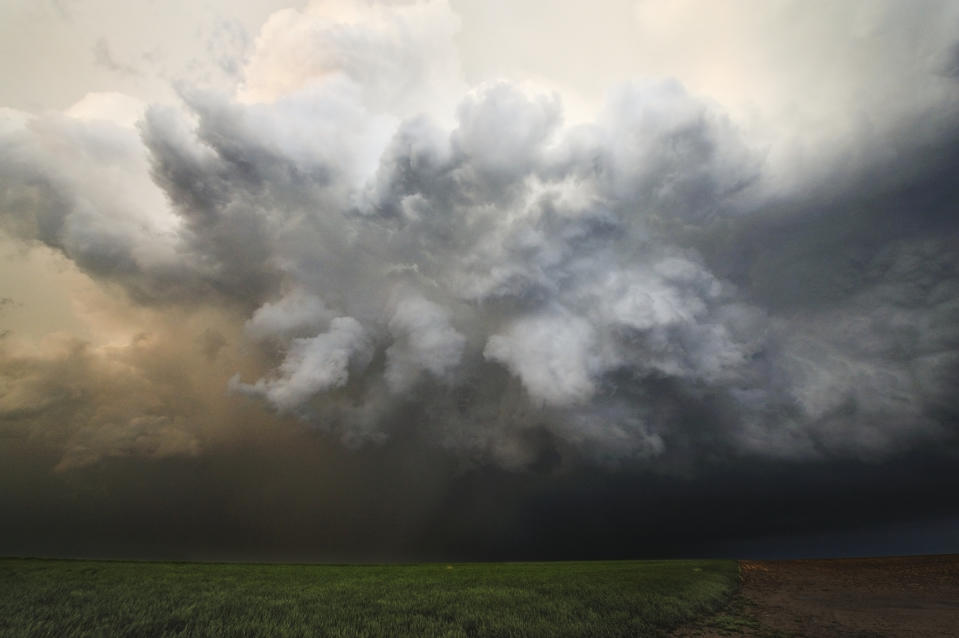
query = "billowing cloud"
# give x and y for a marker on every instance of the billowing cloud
(381, 240)
(296, 314)
(314, 365)
(555, 357)
(423, 341)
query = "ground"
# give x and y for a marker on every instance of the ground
(608, 598)
(864, 598)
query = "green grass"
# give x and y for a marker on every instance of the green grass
(734, 619)
(616, 598)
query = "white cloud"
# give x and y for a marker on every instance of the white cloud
(423, 340)
(313, 365)
(557, 357)
(293, 314)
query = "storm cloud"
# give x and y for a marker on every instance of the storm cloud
(359, 242)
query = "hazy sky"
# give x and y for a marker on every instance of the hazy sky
(351, 280)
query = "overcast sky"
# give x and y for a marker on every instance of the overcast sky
(355, 280)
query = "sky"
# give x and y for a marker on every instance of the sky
(349, 280)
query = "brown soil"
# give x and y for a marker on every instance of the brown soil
(863, 597)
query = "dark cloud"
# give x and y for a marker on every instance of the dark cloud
(386, 331)
(288, 495)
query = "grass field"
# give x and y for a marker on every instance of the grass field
(617, 598)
